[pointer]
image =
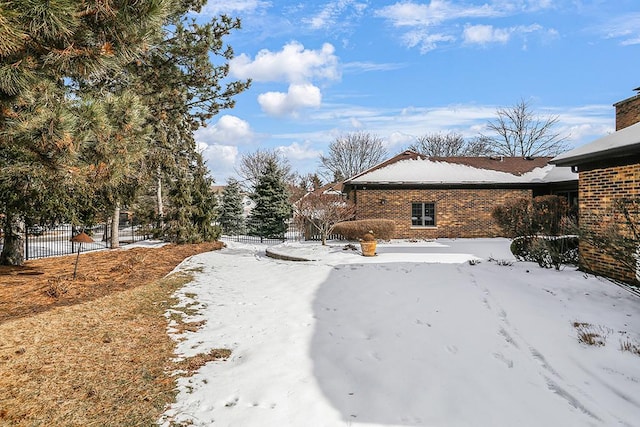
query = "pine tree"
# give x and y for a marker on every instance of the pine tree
(272, 210)
(46, 50)
(192, 208)
(116, 143)
(231, 219)
(184, 81)
(204, 201)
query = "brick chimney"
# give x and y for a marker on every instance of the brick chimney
(628, 111)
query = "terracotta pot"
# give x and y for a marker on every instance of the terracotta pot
(368, 248)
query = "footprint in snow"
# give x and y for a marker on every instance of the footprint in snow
(508, 338)
(500, 357)
(231, 403)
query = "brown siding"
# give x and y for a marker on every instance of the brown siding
(627, 112)
(459, 212)
(599, 186)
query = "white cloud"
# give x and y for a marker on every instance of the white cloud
(411, 14)
(484, 34)
(355, 123)
(221, 161)
(293, 64)
(359, 66)
(399, 126)
(330, 14)
(229, 130)
(296, 151)
(626, 28)
(426, 41)
(298, 97)
(399, 140)
(438, 22)
(215, 8)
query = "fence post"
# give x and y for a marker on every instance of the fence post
(26, 243)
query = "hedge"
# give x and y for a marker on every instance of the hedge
(355, 230)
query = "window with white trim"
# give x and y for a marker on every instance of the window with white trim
(423, 214)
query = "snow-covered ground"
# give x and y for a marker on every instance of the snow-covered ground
(416, 336)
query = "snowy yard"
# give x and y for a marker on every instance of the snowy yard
(416, 336)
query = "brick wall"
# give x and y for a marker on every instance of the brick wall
(459, 212)
(599, 186)
(627, 112)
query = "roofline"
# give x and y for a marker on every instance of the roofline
(631, 98)
(394, 159)
(614, 152)
(410, 154)
(456, 185)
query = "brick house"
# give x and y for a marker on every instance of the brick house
(432, 197)
(609, 169)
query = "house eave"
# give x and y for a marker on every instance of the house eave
(440, 185)
(612, 153)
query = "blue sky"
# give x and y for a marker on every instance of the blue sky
(401, 69)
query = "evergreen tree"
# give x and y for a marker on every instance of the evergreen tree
(231, 219)
(205, 202)
(192, 206)
(46, 50)
(184, 81)
(114, 153)
(272, 210)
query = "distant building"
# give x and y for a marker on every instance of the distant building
(432, 197)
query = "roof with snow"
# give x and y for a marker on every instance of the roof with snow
(412, 168)
(618, 144)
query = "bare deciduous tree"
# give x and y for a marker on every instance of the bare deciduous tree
(302, 184)
(322, 211)
(351, 154)
(253, 166)
(449, 145)
(517, 131)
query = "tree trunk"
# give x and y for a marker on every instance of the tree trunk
(13, 247)
(159, 203)
(115, 228)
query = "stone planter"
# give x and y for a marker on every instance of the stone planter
(368, 248)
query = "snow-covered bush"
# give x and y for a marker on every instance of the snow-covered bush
(547, 251)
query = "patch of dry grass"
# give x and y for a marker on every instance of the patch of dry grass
(97, 354)
(628, 345)
(191, 364)
(590, 334)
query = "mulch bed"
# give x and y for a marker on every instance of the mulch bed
(43, 284)
(92, 351)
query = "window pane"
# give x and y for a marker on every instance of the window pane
(416, 213)
(429, 214)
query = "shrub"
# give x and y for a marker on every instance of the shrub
(527, 217)
(514, 217)
(354, 230)
(547, 251)
(520, 248)
(548, 214)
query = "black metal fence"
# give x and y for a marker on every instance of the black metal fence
(294, 232)
(42, 242)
